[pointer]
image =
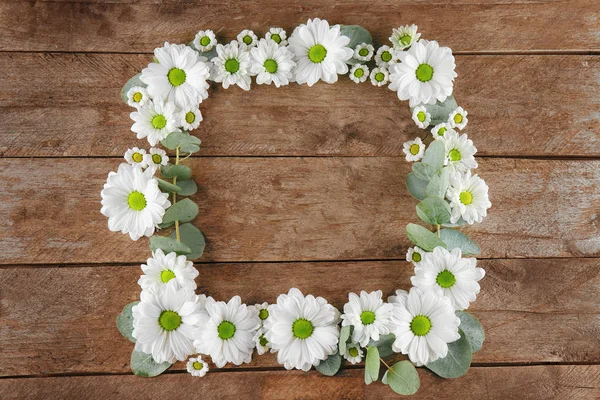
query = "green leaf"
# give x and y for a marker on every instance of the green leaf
(168, 245)
(435, 155)
(167, 186)
(384, 344)
(458, 240)
(331, 365)
(143, 364)
(125, 321)
(423, 238)
(188, 187)
(180, 171)
(416, 187)
(372, 365)
(460, 222)
(186, 142)
(357, 35)
(438, 185)
(472, 329)
(166, 225)
(434, 210)
(457, 362)
(135, 81)
(441, 111)
(193, 238)
(182, 211)
(423, 171)
(402, 378)
(344, 336)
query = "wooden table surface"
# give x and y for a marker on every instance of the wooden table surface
(299, 187)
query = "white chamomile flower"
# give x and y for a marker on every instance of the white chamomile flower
(189, 117)
(154, 121)
(205, 40)
(354, 353)
(423, 324)
(179, 76)
(421, 117)
(272, 63)
(163, 268)
(424, 75)
(320, 52)
(468, 197)
(136, 156)
(133, 202)
(227, 335)
(459, 152)
(278, 35)
(369, 316)
(156, 158)
(232, 66)
(263, 311)
(386, 57)
(163, 322)
(414, 149)
(404, 36)
(380, 76)
(302, 329)
(261, 342)
(359, 73)
(458, 118)
(247, 39)
(197, 367)
(440, 130)
(364, 52)
(137, 97)
(445, 273)
(415, 255)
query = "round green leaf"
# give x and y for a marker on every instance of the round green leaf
(457, 240)
(435, 155)
(416, 187)
(167, 186)
(344, 336)
(135, 81)
(384, 344)
(193, 238)
(188, 187)
(423, 238)
(143, 364)
(331, 365)
(168, 245)
(472, 329)
(372, 365)
(125, 321)
(423, 171)
(441, 111)
(183, 211)
(438, 184)
(180, 171)
(403, 378)
(458, 360)
(186, 142)
(434, 210)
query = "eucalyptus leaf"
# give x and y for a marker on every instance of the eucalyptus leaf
(438, 184)
(435, 155)
(212, 53)
(344, 336)
(423, 237)
(193, 238)
(167, 186)
(384, 344)
(372, 365)
(188, 187)
(472, 329)
(125, 321)
(166, 225)
(183, 211)
(186, 142)
(457, 362)
(440, 111)
(357, 35)
(135, 81)
(331, 365)
(180, 171)
(457, 240)
(168, 245)
(416, 187)
(459, 223)
(434, 210)
(143, 364)
(423, 171)
(403, 378)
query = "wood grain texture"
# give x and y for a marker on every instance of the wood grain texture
(290, 209)
(62, 320)
(473, 26)
(550, 108)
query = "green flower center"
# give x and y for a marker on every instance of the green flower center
(270, 66)
(405, 39)
(454, 155)
(156, 158)
(176, 76)
(424, 72)
(421, 116)
(136, 201)
(441, 131)
(446, 279)
(137, 157)
(205, 41)
(458, 118)
(363, 52)
(159, 121)
(226, 330)
(247, 39)
(137, 97)
(263, 341)
(169, 320)
(414, 149)
(420, 325)
(379, 77)
(466, 198)
(386, 56)
(263, 314)
(367, 317)
(353, 352)
(232, 65)
(167, 275)
(359, 73)
(302, 328)
(416, 257)
(317, 53)
(198, 365)
(190, 117)
(276, 38)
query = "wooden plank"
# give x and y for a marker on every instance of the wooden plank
(548, 109)
(290, 209)
(62, 320)
(572, 382)
(504, 26)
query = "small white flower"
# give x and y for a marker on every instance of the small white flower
(354, 353)
(302, 329)
(232, 66)
(197, 367)
(262, 344)
(386, 57)
(359, 73)
(468, 197)
(424, 324)
(380, 76)
(404, 36)
(133, 202)
(364, 52)
(440, 130)
(247, 39)
(369, 316)
(424, 75)
(272, 63)
(320, 52)
(458, 118)
(205, 40)
(445, 273)
(136, 156)
(278, 35)
(137, 97)
(189, 117)
(227, 335)
(421, 117)
(162, 269)
(459, 152)
(156, 158)
(154, 121)
(263, 311)
(414, 149)
(415, 255)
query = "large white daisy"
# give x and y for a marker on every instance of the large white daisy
(468, 195)
(179, 76)
(163, 268)
(404, 36)
(272, 63)
(425, 73)
(321, 52)
(133, 202)
(302, 329)
(369, 316)
(154, 121)
(231, 66)
(445, 273)
(460, 152)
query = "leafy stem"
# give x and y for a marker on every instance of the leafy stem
(438, 230)
(175, 195)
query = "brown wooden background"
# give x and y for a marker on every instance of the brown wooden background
(299, 187)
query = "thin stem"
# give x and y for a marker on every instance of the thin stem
(388, 367)
(175, 196)
(438, 231)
